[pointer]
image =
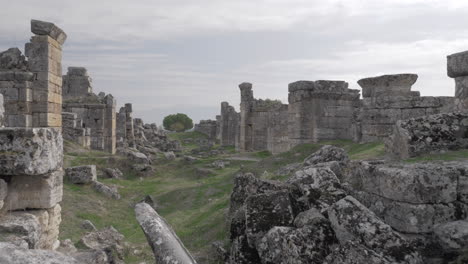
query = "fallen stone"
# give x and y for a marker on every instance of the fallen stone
(315, 187)
(428, 134)
(242, 253)
(46, 28)
(354, 253)
(288, 169)
(12, 254)
(327, 153)
(81, 174)
(352, 221)
(143, 168)
(219, 164)
(452, 236)
(94, 256)
(167, 247)
(67, 247)
(264, 211)
(30, 151)
(305, 245)
(169, 155)
(135, 156)
(88, 225)
(246, 184)
(113, 173)
(35, 191)
(20, 226)
(108, 191)
(221, 252)
(190, 159)
(308, 218)
(108, 240)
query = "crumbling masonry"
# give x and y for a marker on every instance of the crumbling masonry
(31, 148)
(94, 112)
(328, 110)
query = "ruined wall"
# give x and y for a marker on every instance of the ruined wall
(261, 123)
(320, 110)
(228, 125)
(76, 83)
(97, 112)
(387, 99)
(207, 127)
(31, 153)
(72, 130)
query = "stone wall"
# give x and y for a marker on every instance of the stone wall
(31, 153)
(97, 112)
(320, 110)
(76, 83)
(72, 130)
(387, 99)
(207, 127)
(262, 123)
(228, 125)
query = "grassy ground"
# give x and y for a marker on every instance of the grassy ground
(195, 205)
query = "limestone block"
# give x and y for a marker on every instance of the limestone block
(457, 64)
(301, 85)
(310, 244)
(264, 211)
(20, 226)
(81, 174)
(46, 28)
(12, 254)
(411, 183)
(19, 120)
(352, 221)
(387, 84)
(30, 151)
(35, 191)
(452, 236)
(109, 191)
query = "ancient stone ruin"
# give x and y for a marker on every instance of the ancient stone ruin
(325, 110)
(31, 149)
(94, 112)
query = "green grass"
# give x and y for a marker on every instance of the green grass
(195, 206)
(447, 156)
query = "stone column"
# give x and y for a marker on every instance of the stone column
(44, 53)
(129, 126)
(457, 68)
(110, 124)
(247, 101)
(121, 128)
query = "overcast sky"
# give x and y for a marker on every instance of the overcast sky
(189, 55)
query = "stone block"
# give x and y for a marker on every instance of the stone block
(47, 120)
(12, 59)
(30, 151)
(46, 28)
(457, 64)
(20, 228)
(20, 120)
(452, 236)
(35, 192)
(81, 174)
(301, 85)
(77, 71)
(387, 84)
(264, 211)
